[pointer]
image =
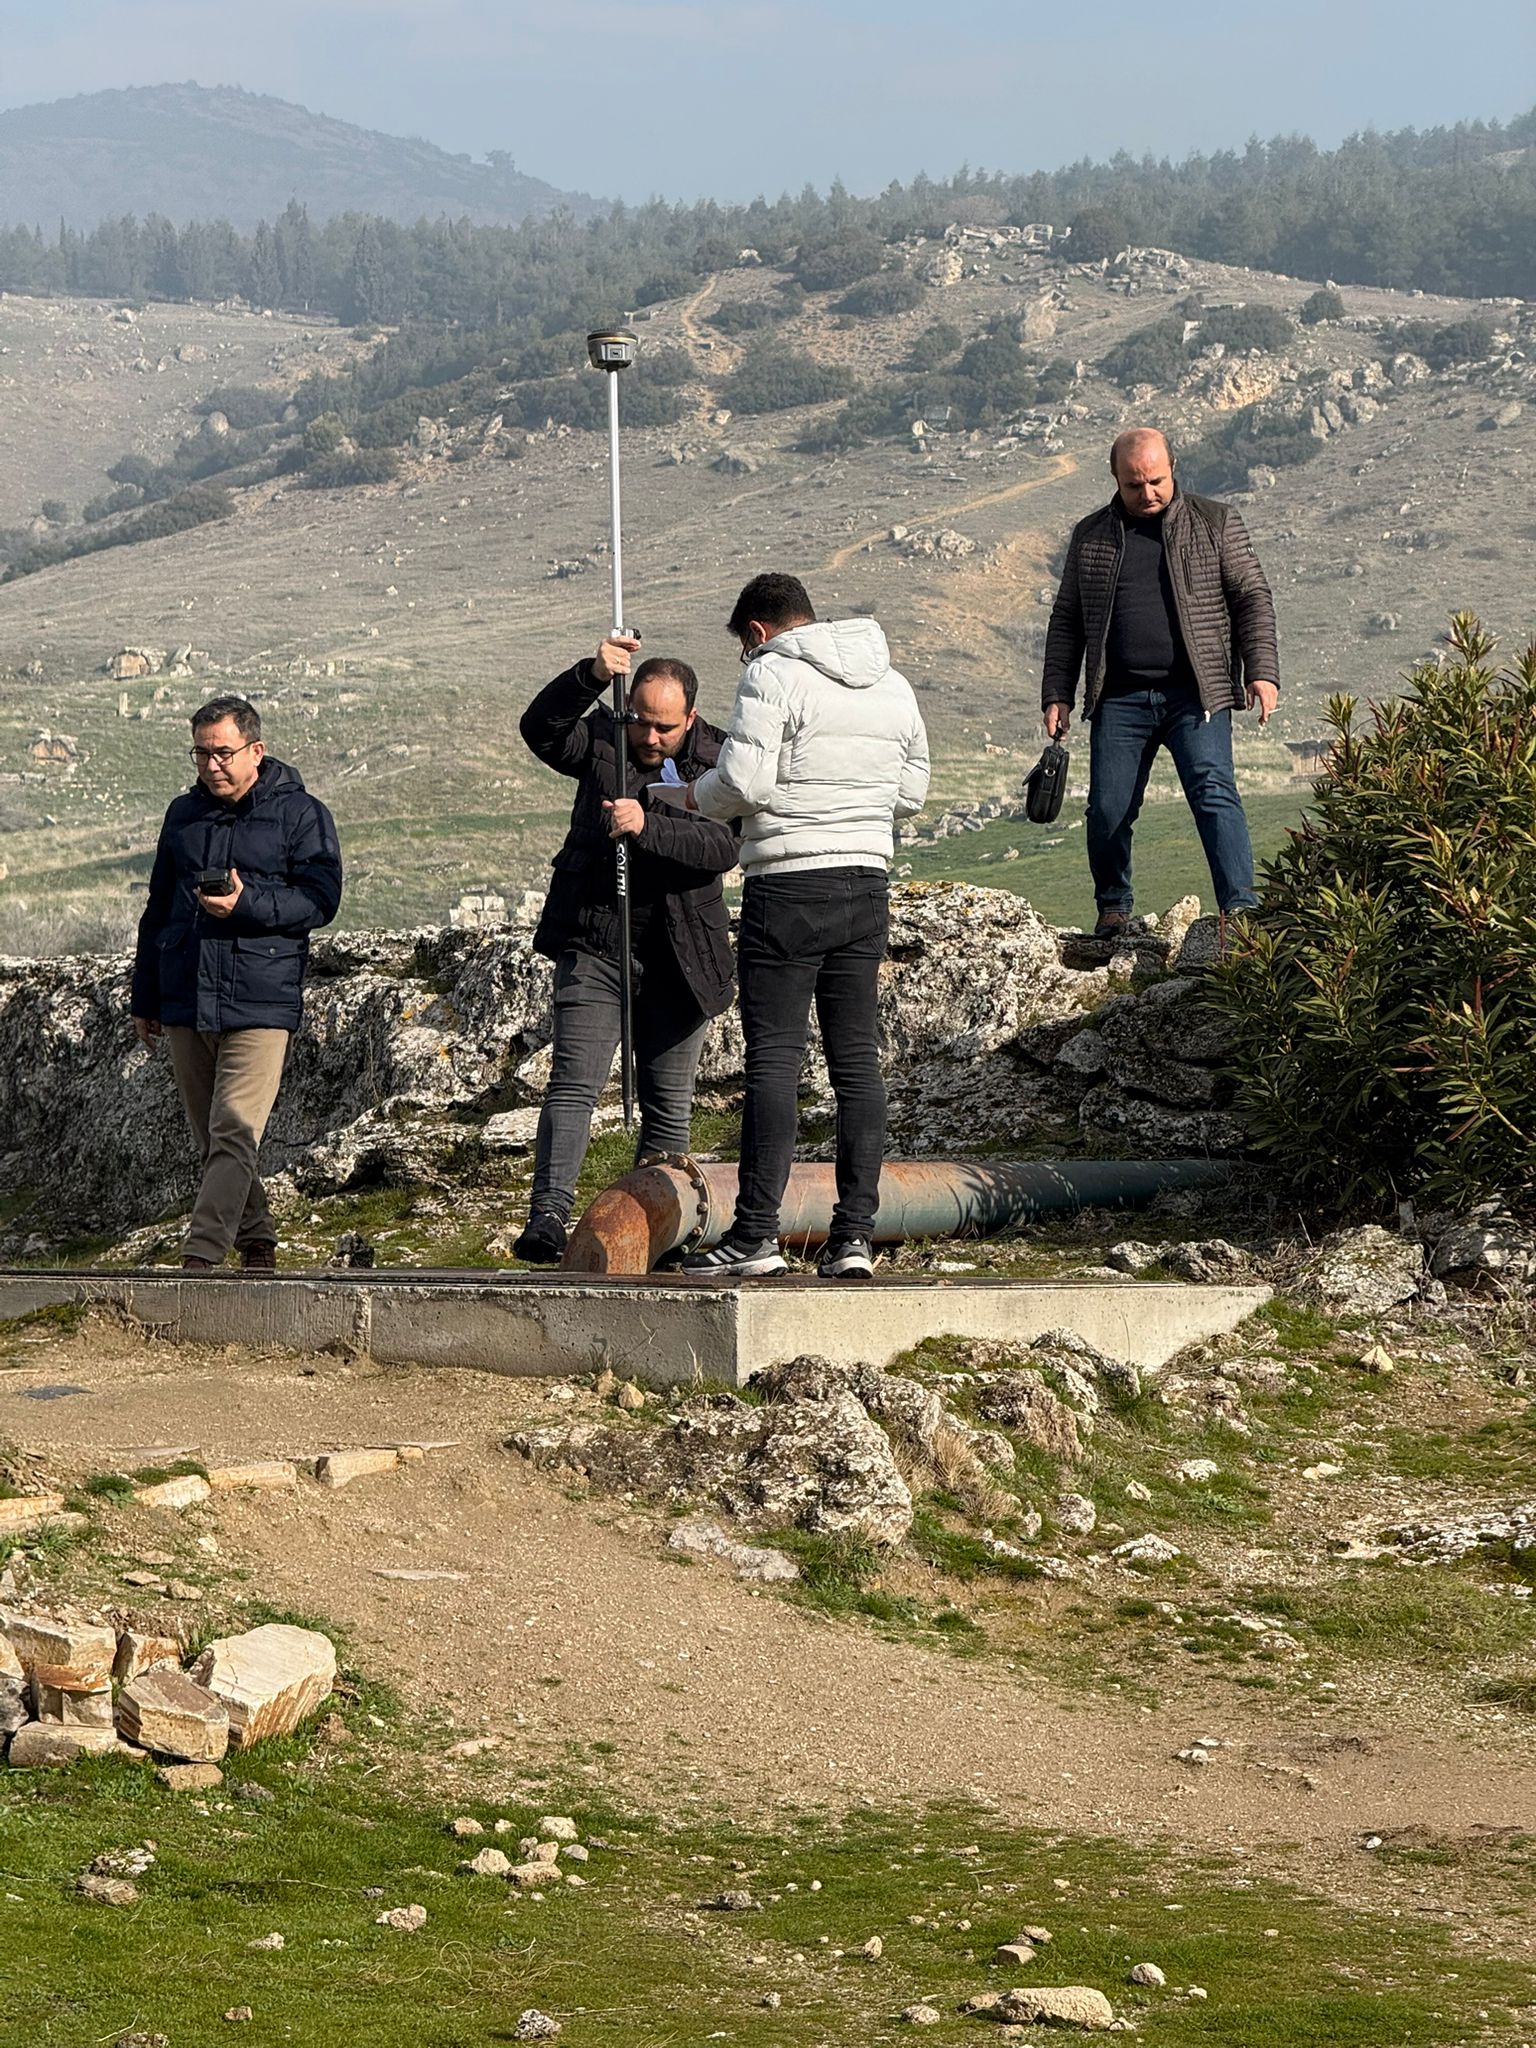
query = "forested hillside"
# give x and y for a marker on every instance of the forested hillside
(1448, 210)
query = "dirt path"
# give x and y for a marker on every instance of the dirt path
(572, 1623)
(1061, 465)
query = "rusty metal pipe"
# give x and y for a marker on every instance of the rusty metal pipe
(679, 1204)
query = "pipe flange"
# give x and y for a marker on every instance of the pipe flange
(684, 1162)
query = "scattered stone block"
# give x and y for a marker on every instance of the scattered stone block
(464, 1826)
(1147, 1973)
(533, 2025)
(270, 1678)
(107, 1891)
(271, 1475)
(189, 1777)
(68, 1708)
(44, 1745)
(922, 2015)
(704, 1538)
(489, 1863)
(529, 1876)
(558, 1827)
(273, 1942)
(138, 1650)
(189, 1490)
(29, 1511)
(170, 1713)
(14, 1706)
(237, 2013)
(729, 1902)
(1066, 2005)
(1014, 1952)
(340, 1468)
(61, 1649)
(404, 1919)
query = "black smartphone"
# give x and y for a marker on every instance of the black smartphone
(214, 882)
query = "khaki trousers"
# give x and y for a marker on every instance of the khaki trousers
(228, 1082)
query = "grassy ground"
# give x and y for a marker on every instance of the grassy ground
(1051, 863)
(631, 1961)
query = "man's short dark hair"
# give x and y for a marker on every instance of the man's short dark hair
(772, 600)
(247, 718)
(668, 670)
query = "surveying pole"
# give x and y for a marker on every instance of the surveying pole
(611, 352)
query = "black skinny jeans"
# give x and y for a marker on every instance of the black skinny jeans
(803, 937)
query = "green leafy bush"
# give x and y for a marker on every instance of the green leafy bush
(1383, 999)
(1324, 304)
(887, 292)
(773, 378)
(1246, 439)
(831, 266)
(194, 507)
(1152, 355)
(358, 466)
(1457, 341)
(1097, 231)
(1240, 328)
(937, 344)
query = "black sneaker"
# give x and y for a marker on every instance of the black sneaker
(732, 1259)
(846, 1258)
(543, 1240)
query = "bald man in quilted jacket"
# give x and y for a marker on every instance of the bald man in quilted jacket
(1165, 610)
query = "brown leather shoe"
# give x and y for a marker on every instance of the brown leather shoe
(198, 1266)
(1111, 924)
(258, 1258)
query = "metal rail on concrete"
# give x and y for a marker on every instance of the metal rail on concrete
(661, 1331)
(681, 1203)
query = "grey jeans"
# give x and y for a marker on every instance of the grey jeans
(669, 1030)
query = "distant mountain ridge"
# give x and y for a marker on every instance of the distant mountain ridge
(190, 151)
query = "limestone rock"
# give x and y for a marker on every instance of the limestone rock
(189, 1777)
(814, 1464)
(1151, 1130)
(1208, 1260)
(922, 2015)
(1014, 1954)
(141, 1651)
(29, 1511)
(14, 1691)
(529, 1876)
(1368, 1270)
(703, 1538)
(489, 1863)
(558, 1827)
(1076, 1515)
(107, 1891)
(1021, 1400)
(403, 1919)
(187, 1490)
(270, 1475)
(1067, 2005)
(60, 1649)
(1488, 1252)
(340, 1468)
(170, 1713)
(533, 2025)
(1147, 1973)
(72, 1707)
(1131, 1257)
(270, 1678)
(43, 1745)
(1149, 1549)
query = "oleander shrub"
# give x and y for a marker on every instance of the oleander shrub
(1383, 997)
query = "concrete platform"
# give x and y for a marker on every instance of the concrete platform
(661, 1331)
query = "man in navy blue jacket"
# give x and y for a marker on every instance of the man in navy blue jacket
(247, 867)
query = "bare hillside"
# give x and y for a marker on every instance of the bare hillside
(393, 633)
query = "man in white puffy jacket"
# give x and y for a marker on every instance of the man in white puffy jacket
(826, 750)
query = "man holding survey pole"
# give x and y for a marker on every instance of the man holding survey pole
(680, 953)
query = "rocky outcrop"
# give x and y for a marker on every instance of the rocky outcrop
(414, 1043)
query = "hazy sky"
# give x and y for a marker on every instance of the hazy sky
(634, 97)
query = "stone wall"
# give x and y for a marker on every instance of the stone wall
(1001, 1034)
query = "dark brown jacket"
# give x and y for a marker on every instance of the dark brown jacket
(1226, 613)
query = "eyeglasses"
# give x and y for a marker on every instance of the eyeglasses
(202, 757)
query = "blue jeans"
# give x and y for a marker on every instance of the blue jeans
(1125, 733)
(811, 937)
